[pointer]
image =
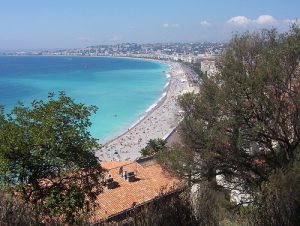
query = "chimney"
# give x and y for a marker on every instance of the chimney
(130, 176)
(110, 184)
(127, 175)
(121, 171)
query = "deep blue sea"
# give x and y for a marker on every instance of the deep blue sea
(121, 88)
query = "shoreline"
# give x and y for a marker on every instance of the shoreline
(148, 111)
(142, 115)
(158, 122)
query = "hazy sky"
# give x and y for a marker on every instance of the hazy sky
(35, 24)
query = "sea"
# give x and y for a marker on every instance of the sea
(123, 89)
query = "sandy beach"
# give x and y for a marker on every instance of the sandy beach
(157, 122)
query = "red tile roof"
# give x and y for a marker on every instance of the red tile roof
(151, 181)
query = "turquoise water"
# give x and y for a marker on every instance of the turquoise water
(121, 88)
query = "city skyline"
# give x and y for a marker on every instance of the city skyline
(73, 24)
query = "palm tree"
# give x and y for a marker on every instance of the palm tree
(153, 146)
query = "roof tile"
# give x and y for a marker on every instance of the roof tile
(151, 181)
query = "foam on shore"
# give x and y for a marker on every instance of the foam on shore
(167, 84)
(149, 109)
(156, 103)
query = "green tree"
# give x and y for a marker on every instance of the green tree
(47, 156)
(154, 146)
(244, 124)
(197, 68)
(279, 200)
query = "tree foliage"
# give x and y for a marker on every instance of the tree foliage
(244, 124)
(47, 156)
(197, 68)
(154, 146)
(279, 200)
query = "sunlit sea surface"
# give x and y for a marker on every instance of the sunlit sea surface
(122, 88)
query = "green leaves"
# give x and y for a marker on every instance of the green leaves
(251, 104)
(47, 154)
(154, 146)
(244, 126)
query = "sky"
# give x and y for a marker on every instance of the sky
(51, 24)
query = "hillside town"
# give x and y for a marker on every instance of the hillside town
(201, 53)
(186, 52)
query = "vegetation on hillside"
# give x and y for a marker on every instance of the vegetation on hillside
(241, 132)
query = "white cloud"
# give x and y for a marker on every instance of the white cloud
(166, 25)
(265, 20)
(204, 23)
(260, 20)
(239, 21)
(242, 23)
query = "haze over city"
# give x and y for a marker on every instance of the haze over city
(74, 24)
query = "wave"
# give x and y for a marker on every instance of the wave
(167, 84)
(148, 110)
(137, 122)
(162, 96)
(151, 107)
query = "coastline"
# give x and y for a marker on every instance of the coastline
(159, 120)
(147, 112)
(144, 114)
(117, 126)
